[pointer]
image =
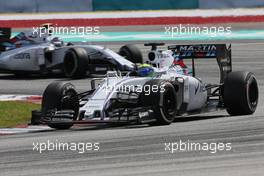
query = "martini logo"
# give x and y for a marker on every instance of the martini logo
(198, 48)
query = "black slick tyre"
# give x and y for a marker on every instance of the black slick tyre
(75, 64)
(240, 93)
(131, 53)
(60, 96)
(163, 101)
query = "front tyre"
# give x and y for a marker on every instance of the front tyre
(240, 93)
(163, 101)
(60, 96)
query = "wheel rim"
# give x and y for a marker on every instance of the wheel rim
(253, 94)
(69, 103)
(169, 104)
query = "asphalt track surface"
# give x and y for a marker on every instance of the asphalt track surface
(140, 150)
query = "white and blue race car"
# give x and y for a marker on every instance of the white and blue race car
(28, 53)
(155, 94)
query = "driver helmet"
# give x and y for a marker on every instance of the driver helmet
(145, 70)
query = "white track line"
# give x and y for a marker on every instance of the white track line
(39, 128)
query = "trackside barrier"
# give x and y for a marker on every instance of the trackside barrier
(143, 4)
(217, 4)
(35, 6)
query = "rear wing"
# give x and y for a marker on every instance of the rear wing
(221, 52)
(5, 33)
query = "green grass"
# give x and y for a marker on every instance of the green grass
(13, 113)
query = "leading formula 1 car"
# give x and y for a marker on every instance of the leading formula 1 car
(28, 53)
(154, 95)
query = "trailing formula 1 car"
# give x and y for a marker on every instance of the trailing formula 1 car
(154, 95)
(29, 53)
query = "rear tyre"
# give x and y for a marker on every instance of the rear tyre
(240, 93)
(131, 53)
(75, 63)
(60, 96)
(163, 101)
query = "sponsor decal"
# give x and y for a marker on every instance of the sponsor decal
(22, 56)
